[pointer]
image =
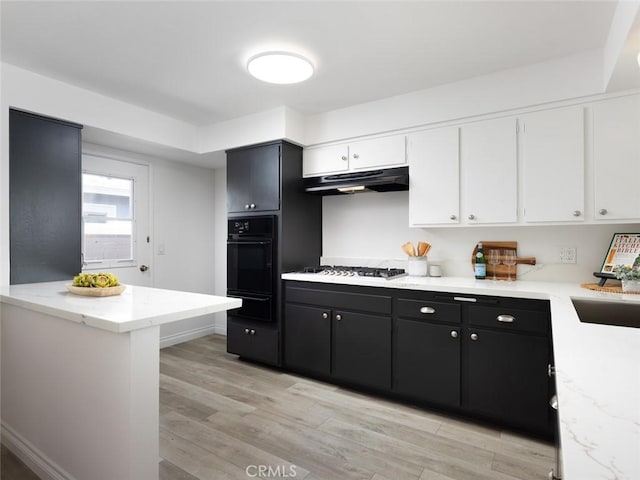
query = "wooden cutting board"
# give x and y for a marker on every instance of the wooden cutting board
(502, 272)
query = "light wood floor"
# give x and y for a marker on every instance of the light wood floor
(221, 418)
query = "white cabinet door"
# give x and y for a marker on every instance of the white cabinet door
(488, 152)
(434, 170)
(321, 160)
(553, 165)
(616, 156)
(378, 152)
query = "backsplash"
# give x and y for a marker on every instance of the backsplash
(368, 229)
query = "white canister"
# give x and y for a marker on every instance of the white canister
(435, 271)
(417, 266)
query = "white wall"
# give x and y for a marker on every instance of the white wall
(369, 228)
(184, 201)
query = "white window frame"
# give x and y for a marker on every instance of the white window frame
(116, 263)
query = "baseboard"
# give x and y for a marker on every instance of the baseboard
(38, 462)
(192, 334)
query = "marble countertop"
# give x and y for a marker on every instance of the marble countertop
(136, 308)
(597, 370)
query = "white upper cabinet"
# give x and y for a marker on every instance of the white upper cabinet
(616, 157)
(321, 160)
(369, 154)
(553, 165)
(434, 180)
(488, 152)
(378, 152)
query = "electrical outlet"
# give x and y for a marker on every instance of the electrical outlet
(567, 254)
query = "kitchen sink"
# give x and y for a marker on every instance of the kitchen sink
(620, 314)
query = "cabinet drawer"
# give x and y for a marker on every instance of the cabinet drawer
(429, 310)
(252, 342)
(340, 300)
(509, 319)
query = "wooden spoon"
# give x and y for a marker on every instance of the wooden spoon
(423, 247)
(408, 249)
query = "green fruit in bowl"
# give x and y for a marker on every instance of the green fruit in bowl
(95, 280)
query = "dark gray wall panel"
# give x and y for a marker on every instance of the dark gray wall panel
(44, 198)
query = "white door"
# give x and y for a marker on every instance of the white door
(616, 158)
(115, 219)
(434, 180)
(488, 155)
(553, 165)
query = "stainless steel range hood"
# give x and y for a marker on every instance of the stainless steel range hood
(383, 180)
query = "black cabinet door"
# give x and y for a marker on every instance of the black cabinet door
(362, 348)
(44, 198)
(307, 339)
(506, 377)
(253, 179)
(252, 340)
(427, 361)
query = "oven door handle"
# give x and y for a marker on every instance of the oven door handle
(267, 242)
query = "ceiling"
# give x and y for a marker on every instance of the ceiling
(188, 59)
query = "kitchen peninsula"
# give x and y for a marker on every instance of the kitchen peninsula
(80, 376)
(597, 366)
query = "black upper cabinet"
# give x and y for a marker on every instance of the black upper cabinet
(253, 179)
(44, 198)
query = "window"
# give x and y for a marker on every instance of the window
(107, 218)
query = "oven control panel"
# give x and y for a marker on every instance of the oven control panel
(254, 226)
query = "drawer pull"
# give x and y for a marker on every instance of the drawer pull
(474, 336)
(454, 334)
(325, 315)
(338, 317)
(465, 299)
(427, 310)
(246, 331)
(505, 318)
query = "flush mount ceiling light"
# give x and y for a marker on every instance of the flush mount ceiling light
(280, 67)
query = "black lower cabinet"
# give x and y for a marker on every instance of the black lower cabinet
(427, 361)
(253, 340)
(307, 343)
(506, 377)
(486, 357)
(362, 349)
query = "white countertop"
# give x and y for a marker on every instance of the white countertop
(597, 370)
(136, 308)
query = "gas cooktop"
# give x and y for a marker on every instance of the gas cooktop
(344, 271)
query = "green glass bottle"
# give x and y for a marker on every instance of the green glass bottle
(481, 263)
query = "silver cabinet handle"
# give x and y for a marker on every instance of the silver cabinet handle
(471, 216)
(246, 331)
(246, 206)
(252, 206)
(452, 217)
(603, 211)
(454, 334)
(465, 299)
(344, 157)
(553, 403)
(252, 332)
(427, 310)
(325, 315)
(474, 336)
(355, 155)
(505, 318)
(577, 213)
(551, 370)
(338, 317)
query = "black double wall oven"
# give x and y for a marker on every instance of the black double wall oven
(251, 266)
